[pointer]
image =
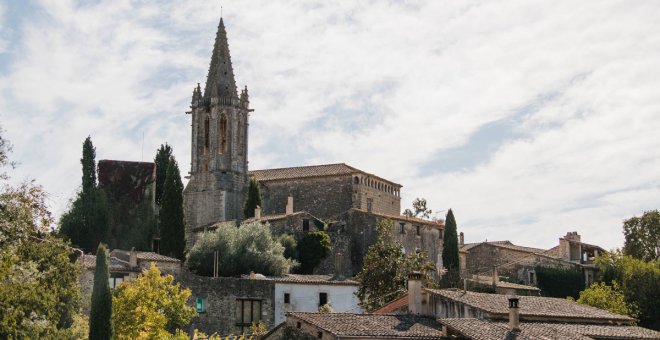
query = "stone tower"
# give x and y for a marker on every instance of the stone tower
(219, 167)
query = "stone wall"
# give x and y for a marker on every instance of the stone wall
(323, 197)
(379, 197)
(221, 296)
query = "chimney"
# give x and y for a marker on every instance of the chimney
(461, 238)
(415, 293)
(514, 314)
(289, 205)
(257, 212)
(496, 276)
(132, 258)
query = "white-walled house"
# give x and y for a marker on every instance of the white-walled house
(306, 293)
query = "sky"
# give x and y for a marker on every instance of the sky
(529, 119)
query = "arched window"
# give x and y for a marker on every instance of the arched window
(223, 134)
(356, 180)
(206, 135)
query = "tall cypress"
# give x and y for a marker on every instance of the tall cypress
(101, 312)
(253, 199)
(172, 224)
(162, 160)
(88, 162)
(452, 277)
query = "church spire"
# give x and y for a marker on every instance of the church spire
(220, 80)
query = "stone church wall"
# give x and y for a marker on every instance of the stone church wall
(323, 197)
(375, 199)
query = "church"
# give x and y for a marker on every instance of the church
(342, 200)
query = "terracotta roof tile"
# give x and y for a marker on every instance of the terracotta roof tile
(374, 325)
(313, 279)
(487, 330)
(531, 306)
(603, 331)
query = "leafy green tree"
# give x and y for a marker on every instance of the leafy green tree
(642, 236)
(386, 267)
(250, 247)
(101, 311)
(559, 282)
(311, 249)
(253, 198)
(452, 278)
(289, 243)
(172, 223)
(640, 283)
(610, 298)
(420, 209)
(162, 160)
(86, 223)
(150, 307)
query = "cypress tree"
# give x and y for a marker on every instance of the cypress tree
(172, 224)
(101, 312)
(162, 160)
(88, 162)
(253, 199)
(450, 253)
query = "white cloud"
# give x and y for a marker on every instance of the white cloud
(386, 87)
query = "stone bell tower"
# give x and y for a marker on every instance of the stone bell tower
(218, 176)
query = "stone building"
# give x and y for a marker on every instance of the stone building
(490, 260)
(218, 169)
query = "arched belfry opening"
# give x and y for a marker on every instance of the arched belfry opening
(223, 134)
(206, 135)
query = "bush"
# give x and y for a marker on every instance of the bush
(312, 248)
(251, 247)
(559, 282)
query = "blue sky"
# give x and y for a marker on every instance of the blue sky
(528, 118)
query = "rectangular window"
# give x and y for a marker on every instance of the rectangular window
(402, 228)
(532, 278)
(305, 225)
(323, 299)
(287, 298)
(370, 203)
(418, 228)
(200, 306)
(115, 279)
(247, 312)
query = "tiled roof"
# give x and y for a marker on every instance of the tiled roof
(532, 306)
(303, 171)
(114, 264)
(487, 330)
(402, 326)
(603, 331)
(507, 245)
(313, 279)
(310, 171)
(393, 306)
(275, 217)
(483, 279)
(468, 246)
(142, 255)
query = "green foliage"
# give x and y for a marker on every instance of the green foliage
(79, 329)
(642, 236)
(251, 247)
(101, 311)
(559, 282)
(311, 249)
(86, 223)
(162, 161)
(253, 198)
(132, 225)
(172, 223)
(419, 205)
(39, 292)
(289, 243)
(452, 278)
(640, 283)
(386, 267)
(150, 307)
(325, 309)
(610, 298)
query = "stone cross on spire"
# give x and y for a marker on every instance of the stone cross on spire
(220, 80)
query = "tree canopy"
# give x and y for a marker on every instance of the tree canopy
(150, 307)
(101, 311)
(311, 249)
(172, 223)
(386, 267)
(250, 247)
(253, 198)
(642, 236)
(420, 209)
(162, 160)
(452, 278)
(607, 297)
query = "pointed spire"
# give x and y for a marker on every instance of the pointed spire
(220, 80)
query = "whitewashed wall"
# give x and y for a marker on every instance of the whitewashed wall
(305, 298)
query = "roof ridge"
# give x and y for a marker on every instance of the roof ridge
(304, 166)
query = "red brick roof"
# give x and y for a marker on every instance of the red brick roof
(532, 307)
(393, 306)
(402, 326)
